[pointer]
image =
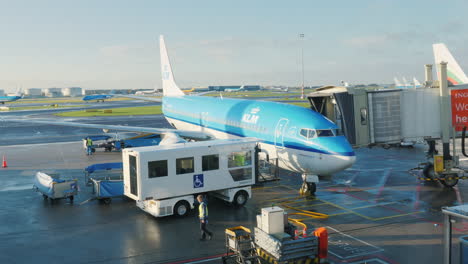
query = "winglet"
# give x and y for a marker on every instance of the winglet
(170, 88)
(455, 74)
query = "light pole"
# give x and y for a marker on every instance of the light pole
(301, 36)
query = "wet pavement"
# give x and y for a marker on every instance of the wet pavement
(378, 212)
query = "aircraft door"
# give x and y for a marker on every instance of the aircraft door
(279, 132)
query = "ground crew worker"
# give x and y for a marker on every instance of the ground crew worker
(203, 216)
(89, 146)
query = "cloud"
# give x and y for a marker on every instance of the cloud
(115, 50)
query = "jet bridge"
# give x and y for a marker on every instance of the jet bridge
(386, 116)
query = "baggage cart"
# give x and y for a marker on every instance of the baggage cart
(53, 188)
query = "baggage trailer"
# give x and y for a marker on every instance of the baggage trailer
(108, 185)
(54, 188)
(164, 180)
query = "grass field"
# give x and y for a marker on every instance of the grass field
(17, 108)
(141, 110)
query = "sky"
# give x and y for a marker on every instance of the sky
(113, 44)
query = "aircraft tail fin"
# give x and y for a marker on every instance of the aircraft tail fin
(397, 82)
(455, 74)
(170, 88)
(416, 82)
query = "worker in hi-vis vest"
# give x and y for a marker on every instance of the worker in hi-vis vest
(203, 216)
(89, 146)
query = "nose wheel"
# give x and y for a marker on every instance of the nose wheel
(309, 184)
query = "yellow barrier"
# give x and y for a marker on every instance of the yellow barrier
(107, 111)
(438, 163)
(91, 110)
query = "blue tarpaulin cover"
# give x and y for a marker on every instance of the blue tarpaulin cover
(104, 166)
(99, 137)
(111, 188)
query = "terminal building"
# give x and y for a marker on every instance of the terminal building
(33, 92)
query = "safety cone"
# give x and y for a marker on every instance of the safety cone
(4, 163)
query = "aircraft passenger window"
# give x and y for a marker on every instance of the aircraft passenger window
(157, 168)
(325, 133)
(239, 159)
(210, 162)
(184, 165)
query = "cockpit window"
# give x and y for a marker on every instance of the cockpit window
(325, 133)
(313, 133)
(308, 133)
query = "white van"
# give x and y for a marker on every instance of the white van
(164, 180)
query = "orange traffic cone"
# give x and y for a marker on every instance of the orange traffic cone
(4, 164)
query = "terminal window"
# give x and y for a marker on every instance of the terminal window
(210, 162)
(157, 168)
(184, 165)
(239, 159)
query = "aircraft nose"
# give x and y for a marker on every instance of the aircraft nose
(344, 162)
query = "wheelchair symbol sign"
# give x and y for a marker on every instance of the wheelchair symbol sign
(198, 181)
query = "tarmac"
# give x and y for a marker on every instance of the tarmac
(378, 212)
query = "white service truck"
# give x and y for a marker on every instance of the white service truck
(164, 180)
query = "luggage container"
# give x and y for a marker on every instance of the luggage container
(108, 182)
(52, 187)
(164, 180)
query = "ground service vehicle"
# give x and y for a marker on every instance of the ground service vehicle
(164, 180)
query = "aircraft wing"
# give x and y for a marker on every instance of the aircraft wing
(159, 100)
(182, 133)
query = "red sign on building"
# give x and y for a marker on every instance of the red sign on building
(459, 108)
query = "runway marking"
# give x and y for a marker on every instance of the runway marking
(349, 210)
(198, 260)
(344, 250)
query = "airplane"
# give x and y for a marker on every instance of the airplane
(302, 140)
(416, 83)
(230, 90)
(398, 84)
(9, 98)
(97, 97)
(153, 92)
(455, 75)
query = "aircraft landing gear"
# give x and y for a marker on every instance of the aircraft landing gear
(309, 185)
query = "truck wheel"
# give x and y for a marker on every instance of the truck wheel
(44, 196)
(107, 200)
(428, 171)
(312, 186)
(181, 208)
(71, 198)
(240, 198)
(450, 180)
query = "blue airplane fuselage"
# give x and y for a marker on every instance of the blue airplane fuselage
(280, 127)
